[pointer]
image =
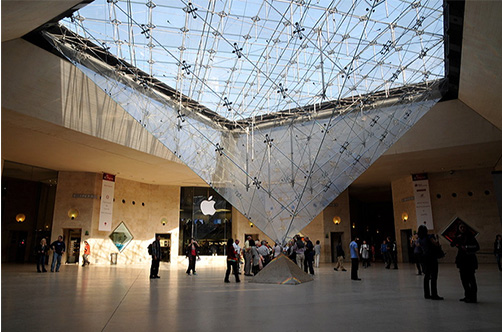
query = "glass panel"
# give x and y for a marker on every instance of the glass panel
(207, 217)
(121, 237)
(279, 118)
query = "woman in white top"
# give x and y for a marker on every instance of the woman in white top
(277, 249)
(317, 252)
(365, 254)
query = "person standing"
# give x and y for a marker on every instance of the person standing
(354, 256)
(497, 250)
(392, 252)
(428, 244)
(299, 250)
(256, 257)
(385, 254)
(42, 249)
(156, 256)
(192, 252)
(277, 249)
(340, 256)
(248, 257)
(232, 261)
(87, 252)
(466, 262)
(317, 253)
(264, 252)
(365, 254)
(59, 248)
(309, 256)
(417, 252)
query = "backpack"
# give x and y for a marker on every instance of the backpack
(150, 249)
(300, 244)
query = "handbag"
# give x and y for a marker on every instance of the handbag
(437, 251)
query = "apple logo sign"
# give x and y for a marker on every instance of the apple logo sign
(207, 207)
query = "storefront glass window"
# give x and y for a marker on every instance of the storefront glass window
(207, 217)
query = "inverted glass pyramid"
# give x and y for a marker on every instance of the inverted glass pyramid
(278, 105)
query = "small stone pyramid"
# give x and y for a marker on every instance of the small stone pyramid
(283, 271)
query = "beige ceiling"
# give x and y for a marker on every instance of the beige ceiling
(460, 134)
(22, 16)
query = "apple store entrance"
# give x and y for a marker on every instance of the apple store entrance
(207, 217)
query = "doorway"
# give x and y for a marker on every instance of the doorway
(17, 246)
(165, 246)
(336, 238)
(72, 241)
(406, 248)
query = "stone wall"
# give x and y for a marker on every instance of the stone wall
(141, 207)
(466, 194)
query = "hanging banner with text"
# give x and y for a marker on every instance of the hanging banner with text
(422, 200)
(106, 209)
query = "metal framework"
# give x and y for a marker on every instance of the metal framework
(278, 105)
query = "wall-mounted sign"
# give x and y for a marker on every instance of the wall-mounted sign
(106, 208)
(84, 196)
(422, 200)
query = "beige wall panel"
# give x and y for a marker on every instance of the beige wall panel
(143, 221)
(340, 207)
(61, 94)
(480, 82)
(479, 210)
(403, 202)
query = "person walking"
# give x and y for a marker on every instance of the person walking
(232, 261)
(354, 256)
(238, 254)
(497, 250)
(42, 249)
(428, 245)
(192, 250)
(87, 252)
(59, 248)
(466, 262)
(317, 253)
(340, 256)
(156, 256)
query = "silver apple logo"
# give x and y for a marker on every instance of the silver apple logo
(207, 206)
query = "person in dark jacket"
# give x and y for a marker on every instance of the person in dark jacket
(192, 251)
(156, 257)
(309, 256)
(42, 249)
(59, 248)
(426, 243)
(392, 253)
(497, 250)
(232, 261)
(466, 262)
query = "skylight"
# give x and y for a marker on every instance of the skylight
(243, 59)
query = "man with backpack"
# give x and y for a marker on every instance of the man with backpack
(154, 250)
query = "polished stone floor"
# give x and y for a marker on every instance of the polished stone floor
(119, 298)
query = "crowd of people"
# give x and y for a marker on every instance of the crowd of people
(256, 254)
